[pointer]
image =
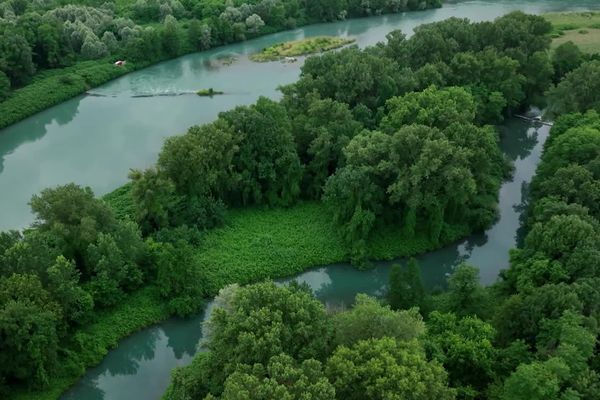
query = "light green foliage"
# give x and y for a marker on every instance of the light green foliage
(536, 381)
(406, 287)
(368, 319)
(432, 107)
(386, 369)
(566, 345)
(262, 321)
(464, 347)
(300, 47)
(282, 379)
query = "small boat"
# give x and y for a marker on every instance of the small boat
(290, 59)
(119, 63)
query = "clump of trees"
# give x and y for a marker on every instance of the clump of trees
(341, 132)
(77, 260)
(265, 340)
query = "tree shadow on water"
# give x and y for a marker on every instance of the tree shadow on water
(35, 127)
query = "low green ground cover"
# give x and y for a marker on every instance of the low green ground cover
(261, 243)
(300, 47)
(588, 40)
(581, 28)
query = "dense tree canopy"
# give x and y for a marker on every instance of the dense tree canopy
(392, 136)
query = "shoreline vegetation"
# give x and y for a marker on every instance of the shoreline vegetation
(313, 45)
(141, 33)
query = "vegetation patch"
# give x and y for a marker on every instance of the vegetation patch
(266, 243)
(581, 28)
(300, 47)
(89, 345)
(567, 21)
(588, 42)
(210, 92)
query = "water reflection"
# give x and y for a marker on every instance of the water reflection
(183, 335)
(35, 127)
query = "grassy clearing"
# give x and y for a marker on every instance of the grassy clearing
(567, 21)
(300, 47)
(581, 28)
(88, 346)
(588, 40)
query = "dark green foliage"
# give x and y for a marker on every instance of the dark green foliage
(566, 58)
(29, 328)
(4, 86)
(448, 176)
(466, 296)
(63, 283)
(267, 165)
(406, 287)
(321, 131)
(578, 91)
(178, 277)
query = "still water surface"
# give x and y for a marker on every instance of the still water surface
(94, 140)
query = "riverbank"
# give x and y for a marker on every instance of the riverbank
(51, 87)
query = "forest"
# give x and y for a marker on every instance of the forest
(53, 50)
(399, 134)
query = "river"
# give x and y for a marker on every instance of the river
(94, 140)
